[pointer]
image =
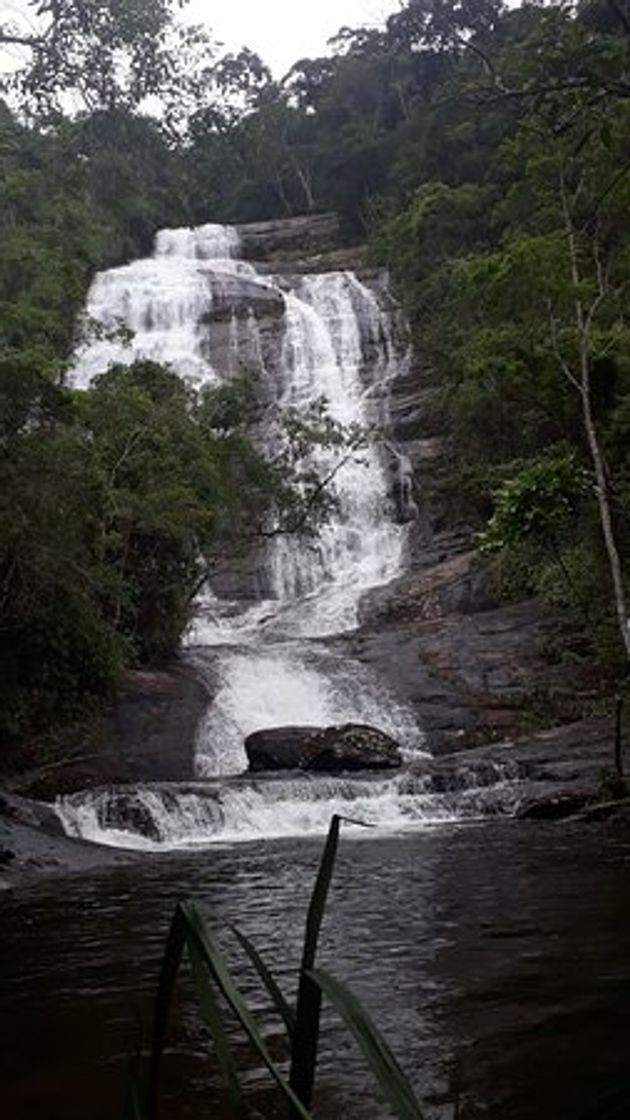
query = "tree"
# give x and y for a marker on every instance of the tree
(579, 185)
(115, 502)
(515, 263)
(100, 53)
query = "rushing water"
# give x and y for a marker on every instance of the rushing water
(494, 958)
(272, 658)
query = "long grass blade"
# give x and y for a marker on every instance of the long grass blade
(211, 1013)
(201, 938)
(168, 975)
(134, 1095)
(281, 1004)
(133, 1108)
(393, 1082)
(307, 1015)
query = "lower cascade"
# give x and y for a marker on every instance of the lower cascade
(158, 816)
(198, 307)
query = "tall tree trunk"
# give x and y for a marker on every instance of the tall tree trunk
(583, 322)
(304, 180)
(603, 501)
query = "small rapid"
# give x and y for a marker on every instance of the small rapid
(181, 816)
(294, 683)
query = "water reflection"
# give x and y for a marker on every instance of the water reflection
(492, 955)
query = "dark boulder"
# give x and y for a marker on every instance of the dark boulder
(553, 807)
(351, 746)
(354, 746)
(279, 748)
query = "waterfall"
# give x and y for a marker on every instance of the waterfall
(154, 308)
(330, 321)
(196, 306)
(280, 683)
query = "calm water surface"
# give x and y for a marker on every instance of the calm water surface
(494, 957)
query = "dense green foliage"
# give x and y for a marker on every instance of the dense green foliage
(512, 254)
(485, 151)
(113, 502)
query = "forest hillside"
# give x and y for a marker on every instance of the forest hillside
(480, 150)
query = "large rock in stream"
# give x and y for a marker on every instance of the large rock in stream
(351, 746)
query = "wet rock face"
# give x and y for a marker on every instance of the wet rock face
(555, 806)
(301, 236)
(402, 486)
(30, 814)
(243, 326)
(147, 735)
(128, 814)
(349, 747)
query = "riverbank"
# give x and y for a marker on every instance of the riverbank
(33, 845)
(146, 734)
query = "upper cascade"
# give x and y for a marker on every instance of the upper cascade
(209, 242)
(198, 307)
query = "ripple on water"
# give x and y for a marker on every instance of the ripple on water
(495, 954)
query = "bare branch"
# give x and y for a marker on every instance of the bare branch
(323, 484)
(612, 185)
(133, 439)
(555, 344)
(602, 288)
(10, 38)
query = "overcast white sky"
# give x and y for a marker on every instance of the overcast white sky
(280, 31)
(283, 31)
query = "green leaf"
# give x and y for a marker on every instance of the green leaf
(133, 1110)
(281, 1004)
(211, 1013)
(198, 935)
(133, 1104)
(391, 1079)
(306, 1035)
(166, 985)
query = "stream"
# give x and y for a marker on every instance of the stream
(493, 957)
(491, 952)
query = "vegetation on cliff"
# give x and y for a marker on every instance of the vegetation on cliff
(513, 262)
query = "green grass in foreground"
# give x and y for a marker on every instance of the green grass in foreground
(217, 993)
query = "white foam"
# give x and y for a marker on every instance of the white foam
(336, 343)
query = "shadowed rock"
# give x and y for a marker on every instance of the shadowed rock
(299, 236)
(553, 807)
(352, 746)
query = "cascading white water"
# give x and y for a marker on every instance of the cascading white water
(166, 816)
(208, 242)
(328, 320)
(154, 308)
(293, 684)
(273, 666)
